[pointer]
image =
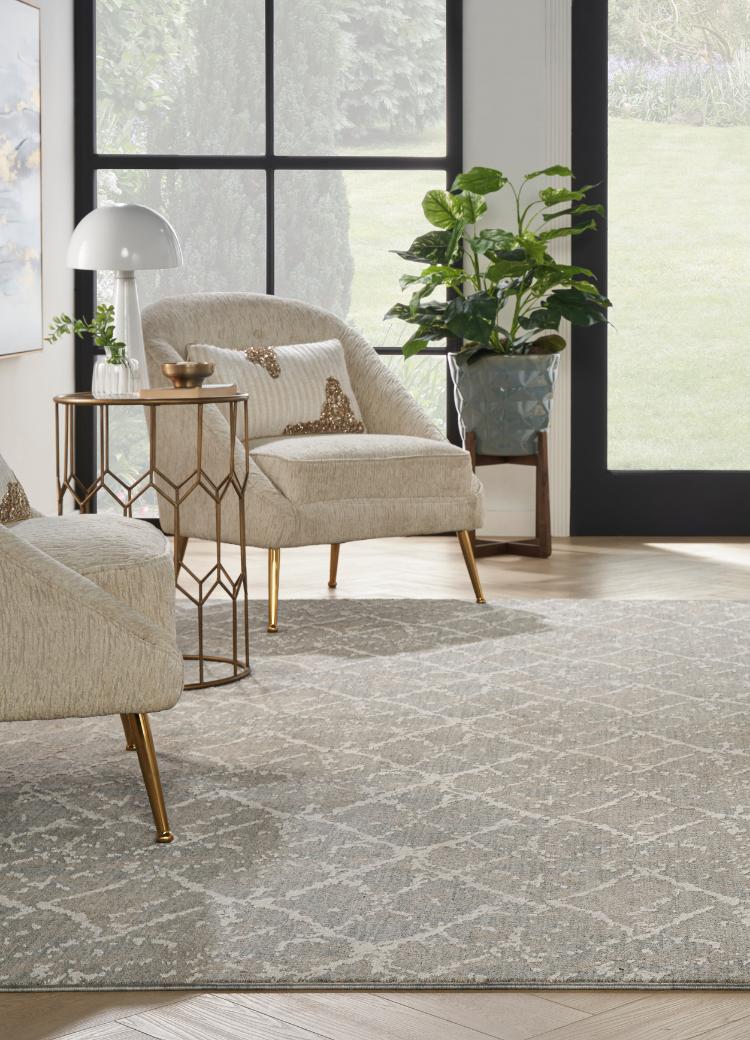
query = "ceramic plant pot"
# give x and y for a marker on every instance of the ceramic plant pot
(505, 400)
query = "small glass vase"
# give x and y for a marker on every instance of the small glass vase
(115, 377)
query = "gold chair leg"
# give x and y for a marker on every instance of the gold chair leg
(274, 564)
(333, 570)
(464, 539)
(144, 745)
(178, 549)
(129, 733)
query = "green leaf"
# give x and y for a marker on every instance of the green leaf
(472, 206)
(472, 352)
(440, 208)
(577, 211)
(429, 316)
(398, 310)
(506, 269)
(454, 241)
(534, 245)
(472, 317)
(430, 248)
(554, 196)
(511, 254)
(481, 179)
(551, 344)
(571, 271)
(541, 319)
(492, 240)
(567, 232)
(438, 274)
(416, 300)
(551, 171)
(424, 335)
(414, 346)
(574, 306)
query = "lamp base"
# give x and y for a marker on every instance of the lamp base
(128, 326)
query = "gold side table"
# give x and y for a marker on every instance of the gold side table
(216, 579)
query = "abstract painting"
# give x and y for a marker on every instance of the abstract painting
(20, 179)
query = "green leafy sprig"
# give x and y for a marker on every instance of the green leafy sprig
(509, 295)
(101, 328)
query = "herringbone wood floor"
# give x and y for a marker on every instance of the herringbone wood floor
(598, 568)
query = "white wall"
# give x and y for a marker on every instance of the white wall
(516, 118)
(29, 381)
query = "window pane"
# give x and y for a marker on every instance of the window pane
(334, 231)
(426, 378)
(180, 77)
(219, 217)
(679, 235)
(128, 459)
(353, 76)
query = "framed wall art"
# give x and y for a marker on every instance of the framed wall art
(20, 179)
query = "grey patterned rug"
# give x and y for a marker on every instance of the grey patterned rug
(405, 794)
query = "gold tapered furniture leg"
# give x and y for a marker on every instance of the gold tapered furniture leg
(334, 567)
(274, 565)
(127, 725)
(467, 549)
(144, 745)
(180, 545)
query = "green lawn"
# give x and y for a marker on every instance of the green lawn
(679, 256)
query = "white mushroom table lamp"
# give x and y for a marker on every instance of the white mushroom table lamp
(125, 238)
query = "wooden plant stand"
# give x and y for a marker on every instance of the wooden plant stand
(541, 544)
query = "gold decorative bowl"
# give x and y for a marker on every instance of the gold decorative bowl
(187, 375)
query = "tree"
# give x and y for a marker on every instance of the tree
(219, 215)
(675, 30)
(393, 75)
(138, 66)
(313, 255)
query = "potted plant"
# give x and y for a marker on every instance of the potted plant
(116, 374)
(508, 296)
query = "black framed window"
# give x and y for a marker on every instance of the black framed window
(660, 437)
(289, 142)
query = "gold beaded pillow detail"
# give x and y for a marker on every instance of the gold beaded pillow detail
(297, 389)
(14, 505)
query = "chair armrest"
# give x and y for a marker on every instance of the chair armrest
(70, 649)
(385, 403)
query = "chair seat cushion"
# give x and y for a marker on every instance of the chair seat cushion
(130, 559)
(364, 466)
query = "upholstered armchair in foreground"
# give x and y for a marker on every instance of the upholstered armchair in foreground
(400, 477)
(87, 627)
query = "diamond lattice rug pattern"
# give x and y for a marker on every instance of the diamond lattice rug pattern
(404, 793)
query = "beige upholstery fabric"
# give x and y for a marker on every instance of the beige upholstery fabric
(70, 647)
(327, 469)
(131, 560)
(287, 385)
(274, 519)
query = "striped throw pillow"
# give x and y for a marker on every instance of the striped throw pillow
(302, 388)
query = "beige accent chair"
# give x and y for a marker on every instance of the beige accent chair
(401, 477)
(87, 627)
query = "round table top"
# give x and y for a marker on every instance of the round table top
(170, 397)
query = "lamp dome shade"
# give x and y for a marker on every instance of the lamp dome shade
(123, 237)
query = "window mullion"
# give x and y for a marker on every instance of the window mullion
(270, 170)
